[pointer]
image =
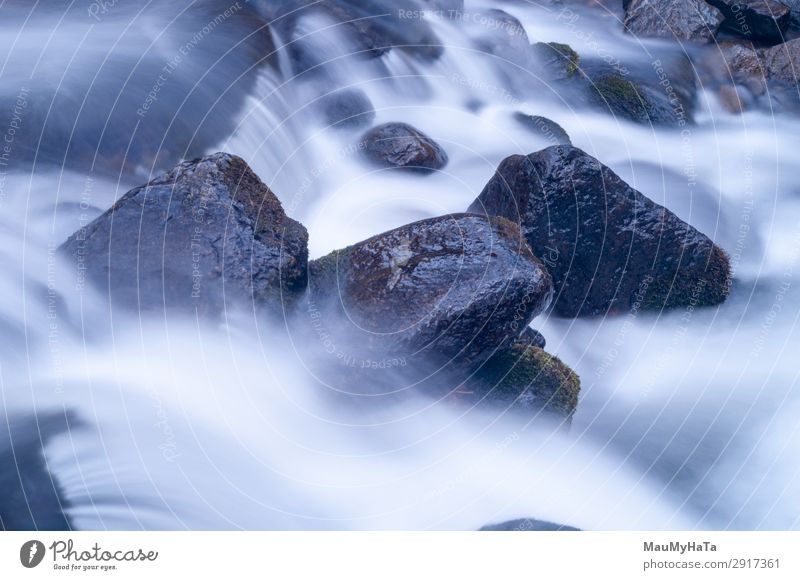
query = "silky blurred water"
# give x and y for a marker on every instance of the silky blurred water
(687, 419)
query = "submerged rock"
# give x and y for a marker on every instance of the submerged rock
(366, 29)
(376, 26)
(452, 288)
(693, 20)
(754, 77)
(608, 247)
(732, 63)
(500, 34)
(525, 377)
(402, 146)
(447, 8)
(543, 127)
(732, 99)
(617, 94)
(347, 108)
(659, 92)
(204, 236)
(501, 42)
(527, 525)
(762, 20)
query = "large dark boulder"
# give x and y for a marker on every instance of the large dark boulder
(758, 20)
(693, 20)
(402, 146)
(608, 247)
(206, 235)
(452, 288)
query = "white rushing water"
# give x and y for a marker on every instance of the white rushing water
(687, 419)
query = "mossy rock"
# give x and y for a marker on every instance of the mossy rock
(709, 288)
(639, 100)
(560, 60)
(443, 290)
(528, 378)
(622, 97)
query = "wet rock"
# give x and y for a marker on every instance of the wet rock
(782, 62)
(528, 525)
(365, 28)
(794, 11)
(452, 288)
(608, 246)
(544, 127)
(695, 202)
(558, 60)
(526, 378)
(532, 337)
(359, 27)
(622, 97)
(732, 63)
(761, 20)
(767, 74)
(377, 26)
(204, 236)
(31, 497)
(347, 108)
(402, 146)
(501, 34)
(503, 40)
(447, 8)
(693, 20)
(660, 92)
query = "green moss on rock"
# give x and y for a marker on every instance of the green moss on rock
(568, 54)
(560, 59)
(621, 96)
(529, 378)
(690, 291)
